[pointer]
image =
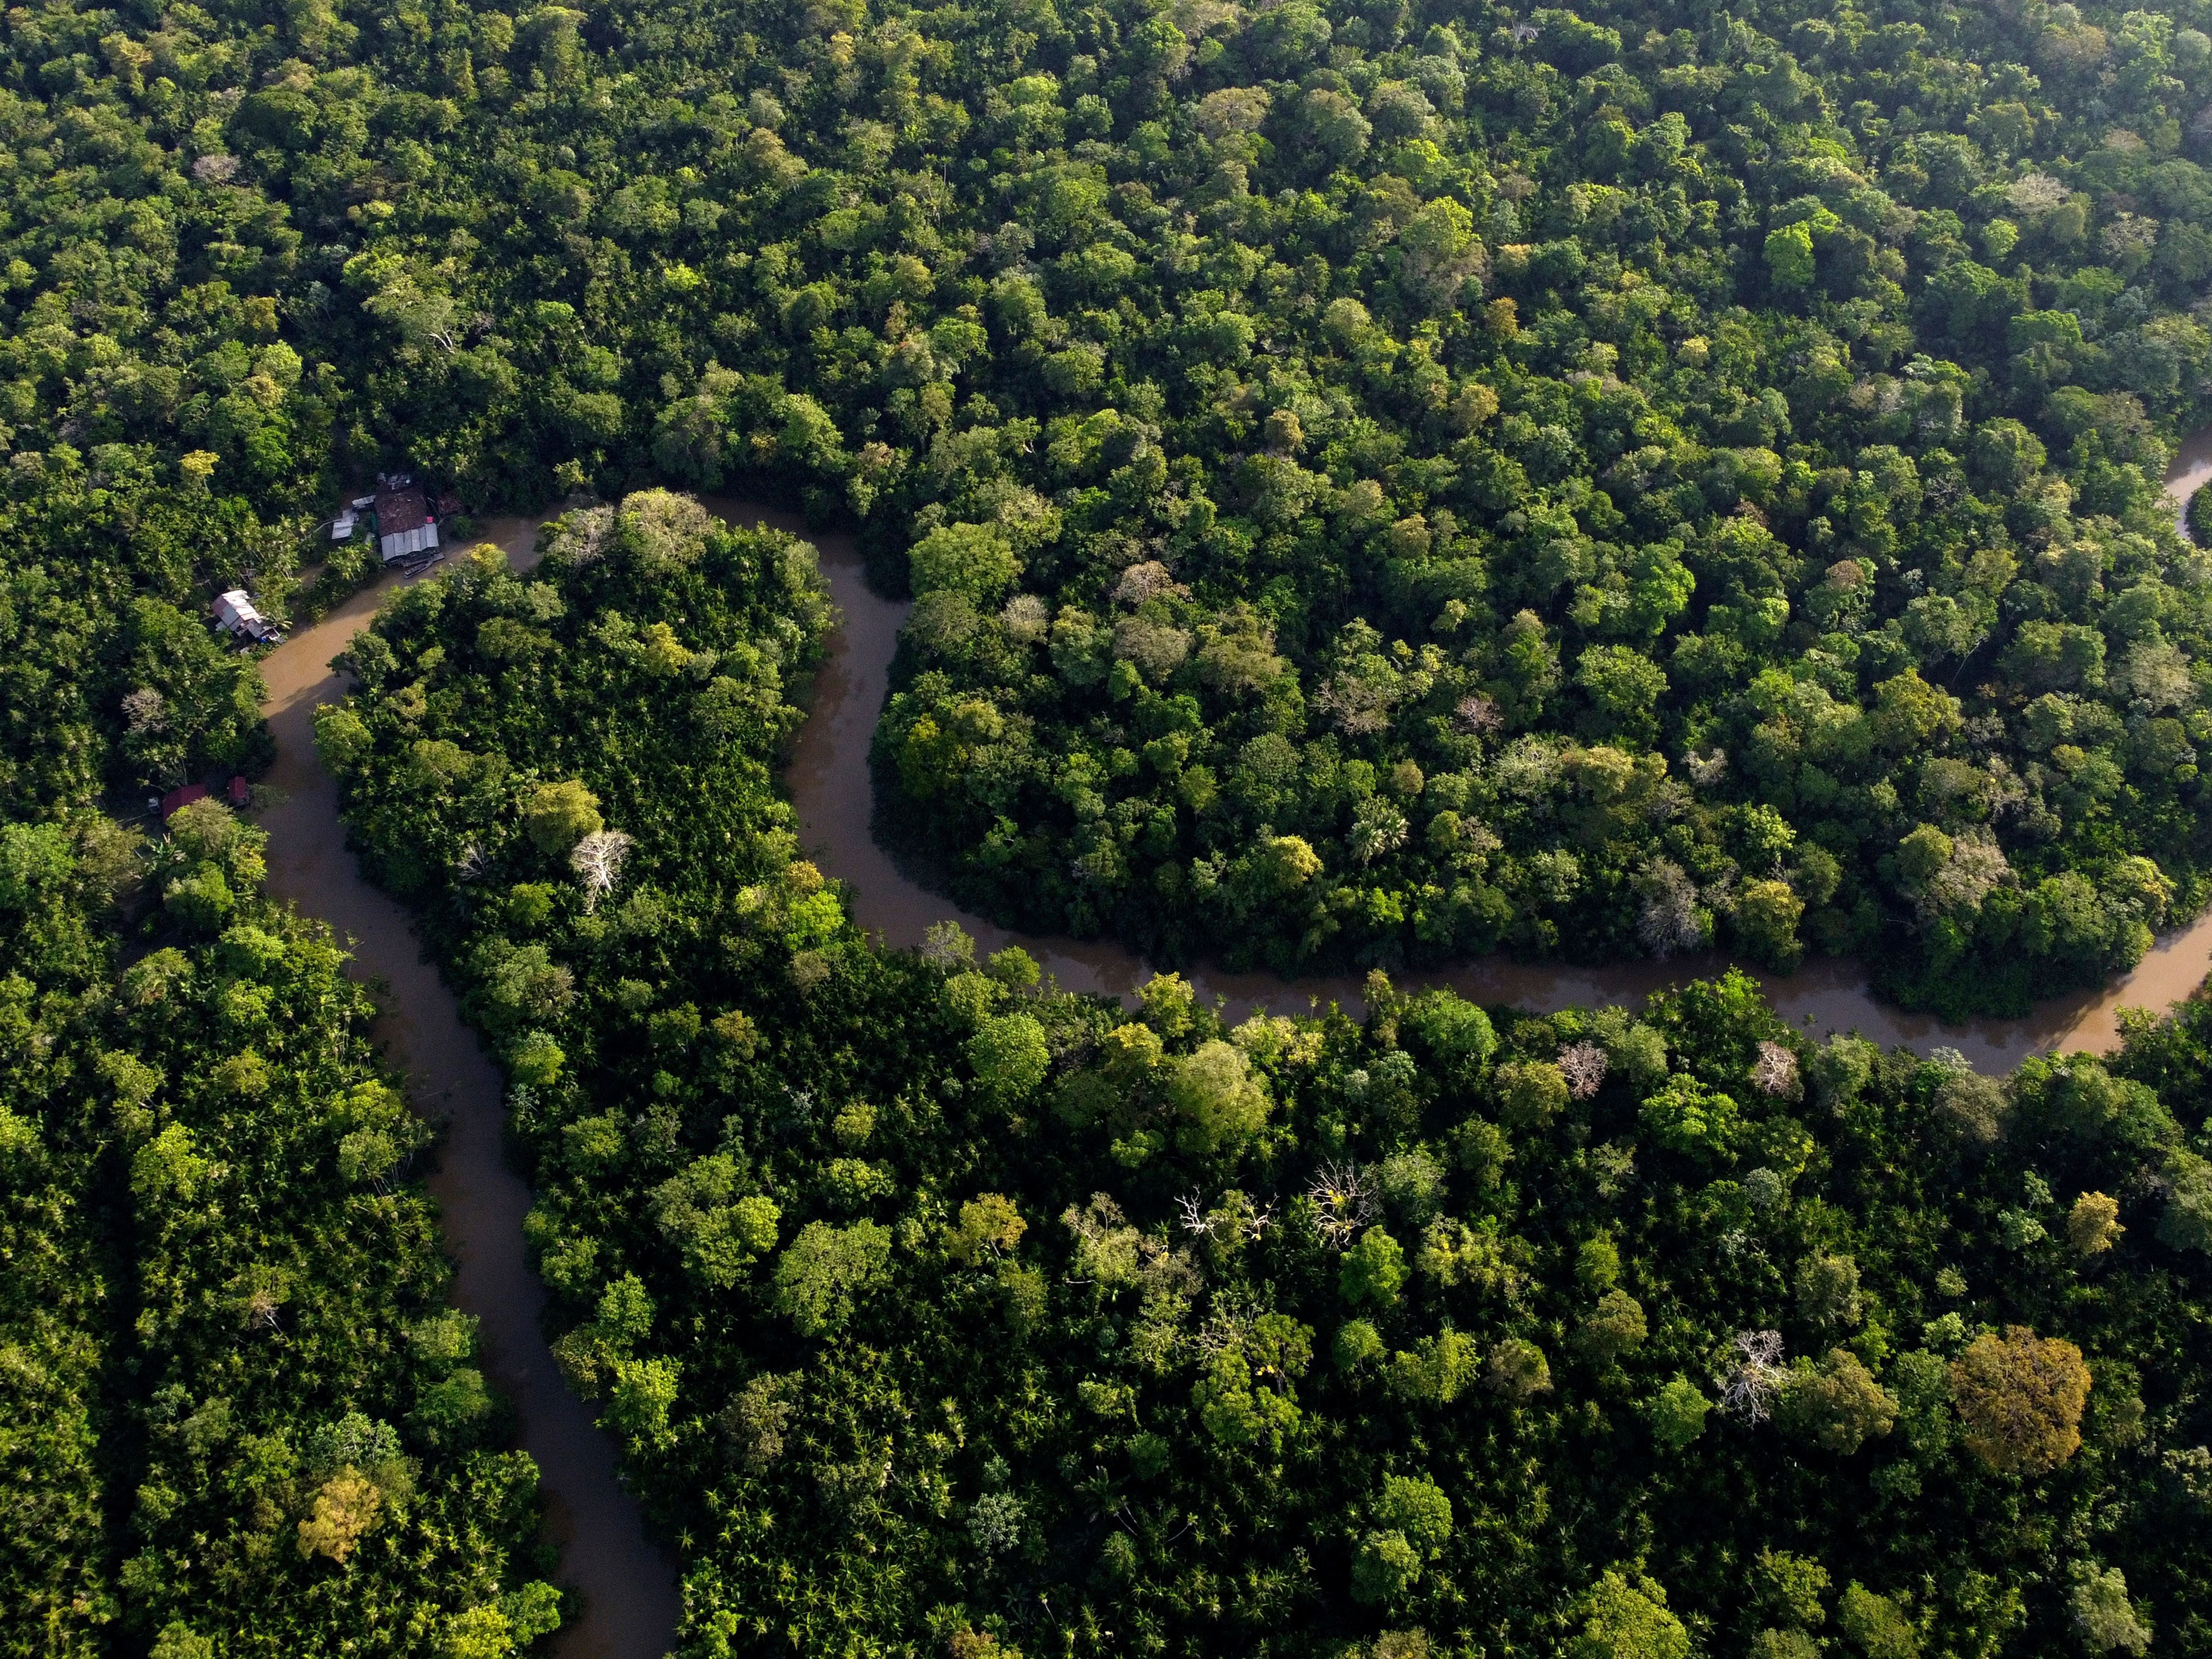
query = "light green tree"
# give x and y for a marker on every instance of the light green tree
(1010, 1057)
(975, 560)
(1530, 1093)
(559, 815)
(1372, 1270)
(1877, 1625)
(824, 1270)
(1626, 1619)
(1677, 1414)
(2104, 1615)
(1218, 1099)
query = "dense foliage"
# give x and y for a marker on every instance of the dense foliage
(1384, 483)
(109, 676)
(1581, 488)
(238, 1419)
(1377, 483)
(162, 431)
(934, 1306)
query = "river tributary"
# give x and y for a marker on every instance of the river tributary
(629, 1581)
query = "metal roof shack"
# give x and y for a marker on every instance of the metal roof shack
(404, 526)
(351, 516)
(183, 797)
(235, 614)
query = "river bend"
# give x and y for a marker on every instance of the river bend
(629, 1581)
(831, 787)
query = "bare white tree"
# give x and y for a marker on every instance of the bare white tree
(2035, 192)
(1027, 618)
(580, 537)
(1775, 1072)
(1706, 768)
(1140, 582)
(1478, 713)
(1758, 1376)
(1195, 1220)
(1343, 1205)
(597, 861)
(145, 709)
(1670, 921)
(947, 946)
(1584, 1065)
(1359, 704)
(1235, 1218)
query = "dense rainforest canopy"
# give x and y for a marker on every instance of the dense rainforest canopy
(1379, 482)
(235, 1417)
(939, 1310)
(1382, 483)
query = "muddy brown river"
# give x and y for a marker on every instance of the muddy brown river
(629, 1581)
(830, 785)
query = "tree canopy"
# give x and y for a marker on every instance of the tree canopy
(1377, 483)
(1444, 1329)
(240, 1417)
(1382, 484)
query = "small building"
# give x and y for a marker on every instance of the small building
(397, 548)
(183, 797)
(239, 791)
(342, 526)
(235, 614)
(405, 528)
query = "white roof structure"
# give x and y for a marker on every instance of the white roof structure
(342, 526)
(236, 613)
(407, 542)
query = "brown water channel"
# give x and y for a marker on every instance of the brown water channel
(630, 1582)
(830, 785)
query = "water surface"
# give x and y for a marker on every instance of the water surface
(629, 1583)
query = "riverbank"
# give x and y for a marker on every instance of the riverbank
(629, 1583)
(830, 785)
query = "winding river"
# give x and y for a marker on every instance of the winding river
(830, 785)
(629, 1581)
